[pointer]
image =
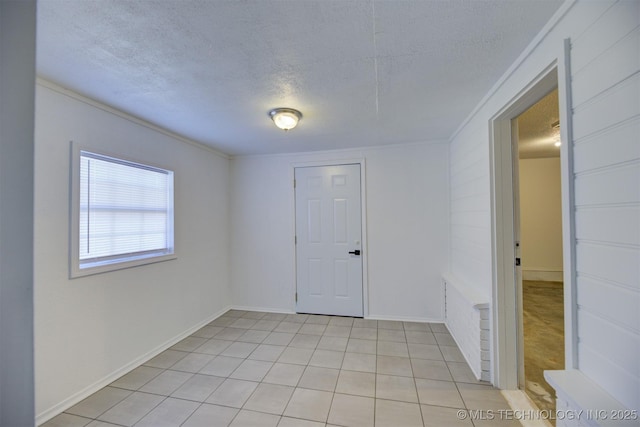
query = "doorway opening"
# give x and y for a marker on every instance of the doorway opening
(538, 241)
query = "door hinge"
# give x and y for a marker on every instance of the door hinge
(296, 297)
(294, 183)
(295, 239)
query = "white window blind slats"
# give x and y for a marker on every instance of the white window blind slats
(126, 210)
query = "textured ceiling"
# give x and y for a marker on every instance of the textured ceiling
(363, 72)
(536, 131)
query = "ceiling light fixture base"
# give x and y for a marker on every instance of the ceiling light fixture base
(285, 118)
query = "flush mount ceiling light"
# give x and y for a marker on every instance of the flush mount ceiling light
(285, 118)
(556, 133)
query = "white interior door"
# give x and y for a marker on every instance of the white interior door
(329, 240)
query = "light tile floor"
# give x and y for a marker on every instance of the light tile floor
(265, 369)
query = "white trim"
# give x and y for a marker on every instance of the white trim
(108, 109)
(57, 409)
(363, 212)
(407, 319)
(262, 309)
(505, 356)
(75, 152)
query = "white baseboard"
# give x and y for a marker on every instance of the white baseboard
(405, 318)
(57, 409)
(262, 309)
(542, 275)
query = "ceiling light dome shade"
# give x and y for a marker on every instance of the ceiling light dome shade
(285, 118)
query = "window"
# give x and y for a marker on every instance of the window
(123, 214)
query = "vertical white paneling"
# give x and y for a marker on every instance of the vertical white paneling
(605, 114)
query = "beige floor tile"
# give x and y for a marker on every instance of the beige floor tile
(356, 345)
(214, 346)
(357, 383)
(309, 405)
(305, 341)
(169, 413)
(255, 419)
(391, 365)
(312, 329)
(67, 420)
(252, 370)
(297, 422)
(341, 321)
(416, 326)
(232, 393)
(359, 362)
(461, 372)
(166, 359)
(99, 402)
(431, 369)
(391, 335)
(207, 331)
(318, 319)
(97, 423)
(337, 331)
(486, 397)
(278, 338)
(297, 318)
(132, 409)
(388, 348)
(275, 316)
(189, 344)
(333, 343)
(137, 378)
(211, 416)
(243, 323)
(352, 411)
(439, 393)
(269, 398)
(452, 353)
(444, 339)
(230, 334)
(221, 366)
(390, 324)
(327, 359)
(266, 352)
(420, 337)
(239, 349)
(193, 362)
(284, 374)
(254, 315)
(364, 333)
(436, 416)
(365, 323)
(319, 378)
(166, 383)
(425, 351)
(297, 356)
(290, 327)
(439, 327)
(198, 388)
(395, 414)
(265, 325)
(222, 321)
(254, 336)
(392, 387)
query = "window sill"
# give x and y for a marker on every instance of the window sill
(76, 271)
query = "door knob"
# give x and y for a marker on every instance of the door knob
(356, 252)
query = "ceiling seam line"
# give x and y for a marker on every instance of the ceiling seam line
(375, 56)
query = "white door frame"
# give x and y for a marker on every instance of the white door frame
(505, 313)
(363, 222)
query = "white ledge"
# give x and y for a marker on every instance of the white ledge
(595, 406)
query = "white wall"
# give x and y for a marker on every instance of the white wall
(89, 329)
(407, 210)
(18, 57)
(541, 219)
(606, 121)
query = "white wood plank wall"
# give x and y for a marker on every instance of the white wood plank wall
(605, 80)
